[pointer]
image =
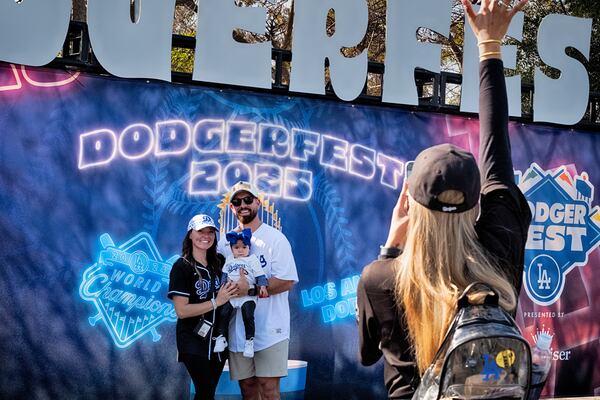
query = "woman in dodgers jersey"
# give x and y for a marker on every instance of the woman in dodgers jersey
(196, 291)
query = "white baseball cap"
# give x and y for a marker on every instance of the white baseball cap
(201, 221)
(243, 186)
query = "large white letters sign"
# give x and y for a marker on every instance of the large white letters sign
(563, 100)
(312, 45)
(33, 32)
(219, 58)
(404, 53)
(132, 49)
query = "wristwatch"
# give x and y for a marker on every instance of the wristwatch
(389, 252)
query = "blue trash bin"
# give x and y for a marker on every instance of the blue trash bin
(291, 386)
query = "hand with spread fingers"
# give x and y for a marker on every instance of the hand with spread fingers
(491, 23)
(227, 292)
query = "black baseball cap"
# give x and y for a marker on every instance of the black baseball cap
(445, 167)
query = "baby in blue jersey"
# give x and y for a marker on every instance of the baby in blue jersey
(245, 265)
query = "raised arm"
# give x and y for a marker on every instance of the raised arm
(504, 219)
(490, 25)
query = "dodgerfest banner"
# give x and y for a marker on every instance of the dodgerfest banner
(99, 177)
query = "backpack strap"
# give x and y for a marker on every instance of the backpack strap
(490, 299)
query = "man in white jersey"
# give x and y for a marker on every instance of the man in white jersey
(259, 376)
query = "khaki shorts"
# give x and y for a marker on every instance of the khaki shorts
(267, 363)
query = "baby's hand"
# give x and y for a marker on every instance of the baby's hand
(263, 292)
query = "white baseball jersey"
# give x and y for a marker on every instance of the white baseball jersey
(251, 265)
(272, 315)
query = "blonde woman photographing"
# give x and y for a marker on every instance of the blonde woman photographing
(455, 223)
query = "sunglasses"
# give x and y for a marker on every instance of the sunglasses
(238, 202)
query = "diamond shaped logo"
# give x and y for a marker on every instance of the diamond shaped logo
(564, 230)
(128, 286)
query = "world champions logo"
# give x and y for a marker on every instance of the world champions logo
(128, 287)
(564, 230)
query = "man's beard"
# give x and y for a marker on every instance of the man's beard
(246, 219)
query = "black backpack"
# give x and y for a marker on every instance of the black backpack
(483, 356)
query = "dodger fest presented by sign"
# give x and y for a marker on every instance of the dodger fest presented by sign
(100, 176)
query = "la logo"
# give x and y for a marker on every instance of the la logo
(491, 370)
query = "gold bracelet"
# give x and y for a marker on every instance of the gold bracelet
(489, 41)
(489, 53)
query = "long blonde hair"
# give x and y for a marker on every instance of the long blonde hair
(442, 256)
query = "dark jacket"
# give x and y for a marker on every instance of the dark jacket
(501, 228)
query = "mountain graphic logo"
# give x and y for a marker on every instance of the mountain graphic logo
(564, 230)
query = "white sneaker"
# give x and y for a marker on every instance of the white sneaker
(220, 344)
(249, 348)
